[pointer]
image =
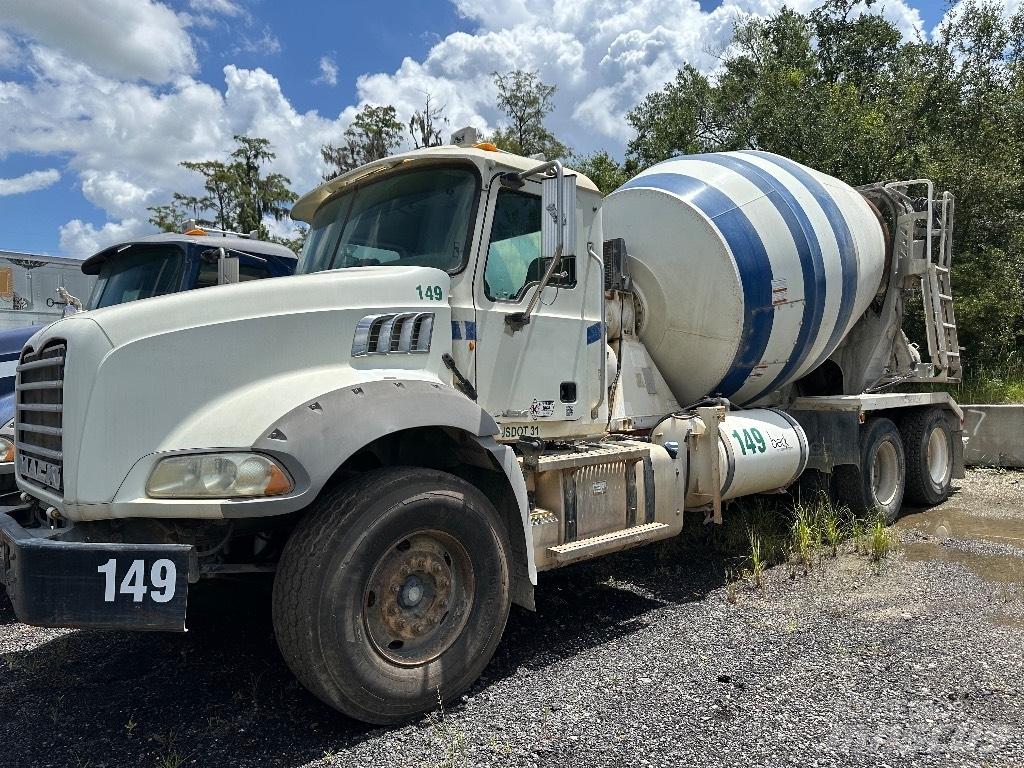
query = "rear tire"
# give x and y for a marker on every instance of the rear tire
(878, 484)
(929, 445)
(391, 592)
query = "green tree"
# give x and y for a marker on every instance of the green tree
(602, 169)
(258, 195)
(221, 193)
(526, 100)
(374, 134)
(240, 195)
(426, 124)
(840, 89)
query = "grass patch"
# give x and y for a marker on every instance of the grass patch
(984, 385)
(880, 541)
(450, 738)
(800, 533)
(757, 558)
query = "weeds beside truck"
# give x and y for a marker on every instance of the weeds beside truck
(483, 372)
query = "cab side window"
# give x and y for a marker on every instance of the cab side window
(514, 250)
(247, 270)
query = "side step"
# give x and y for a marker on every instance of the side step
(607, 542)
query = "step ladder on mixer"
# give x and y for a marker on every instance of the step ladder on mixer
(925, 240)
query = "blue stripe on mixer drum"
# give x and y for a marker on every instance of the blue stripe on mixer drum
(844, 239)
(751, 261)
(811, 262)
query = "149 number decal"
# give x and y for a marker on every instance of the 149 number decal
(752, 441)
(429, 292)
(162, 577)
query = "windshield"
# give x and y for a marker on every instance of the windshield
(139, 272)
(418, 218)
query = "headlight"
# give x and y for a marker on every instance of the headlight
(217, 475)
(6, 450)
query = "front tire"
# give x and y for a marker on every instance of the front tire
(929, 444)
(391, 592)
(878, 484)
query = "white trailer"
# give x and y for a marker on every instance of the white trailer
(484, 371)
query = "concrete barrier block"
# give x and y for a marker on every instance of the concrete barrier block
(995, 435)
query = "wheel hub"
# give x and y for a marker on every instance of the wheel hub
(937, 457)
(885, 471)
(418, 597)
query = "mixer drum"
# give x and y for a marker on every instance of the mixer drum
(750, 268)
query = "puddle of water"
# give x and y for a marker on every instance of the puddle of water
(1005, 569)
(1003, 620)
(956, 524)
(943, 524)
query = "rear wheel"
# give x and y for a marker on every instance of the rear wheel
(877, 485)
(929, 445)
(393, 591)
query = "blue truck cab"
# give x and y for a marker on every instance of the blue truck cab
(149, 266)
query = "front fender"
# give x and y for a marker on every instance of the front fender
(321, 434)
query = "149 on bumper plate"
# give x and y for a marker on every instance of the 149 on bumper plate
(55, 583)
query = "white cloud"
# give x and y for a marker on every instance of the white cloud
(115, 193)
(221, 7)
(9, 56)
(266, 44)
(82, 98)
(130, 39)
(29, 182)
(125, 139)
(328, 71)
(81, 239)
(603, 56)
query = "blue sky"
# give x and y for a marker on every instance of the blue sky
(95, 116)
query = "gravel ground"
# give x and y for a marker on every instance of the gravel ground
(639, 659)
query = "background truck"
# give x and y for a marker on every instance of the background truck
(150, 266)
(484, 371)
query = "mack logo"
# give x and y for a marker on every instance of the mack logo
(40, 471)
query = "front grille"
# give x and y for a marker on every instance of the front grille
(40, 414)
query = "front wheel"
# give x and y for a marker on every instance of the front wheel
(392, 592)
(875, 487)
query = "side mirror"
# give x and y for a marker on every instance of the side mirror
(227, 268)
(553, 231)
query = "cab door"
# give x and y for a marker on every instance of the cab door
(540, 380)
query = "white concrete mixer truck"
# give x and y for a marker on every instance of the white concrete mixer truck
(484, 371)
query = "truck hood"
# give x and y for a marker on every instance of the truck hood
(212, 368)
(367, 287)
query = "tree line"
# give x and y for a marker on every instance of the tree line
(839, 89)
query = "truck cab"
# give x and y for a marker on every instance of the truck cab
(139, 269)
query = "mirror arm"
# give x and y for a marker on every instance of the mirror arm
(518, 320)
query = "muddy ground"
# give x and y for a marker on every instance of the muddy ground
(645, 658)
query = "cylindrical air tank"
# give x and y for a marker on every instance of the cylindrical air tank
(750, 268)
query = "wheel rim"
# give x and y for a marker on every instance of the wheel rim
(938, 457)
(418, 597)
(885, 474)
